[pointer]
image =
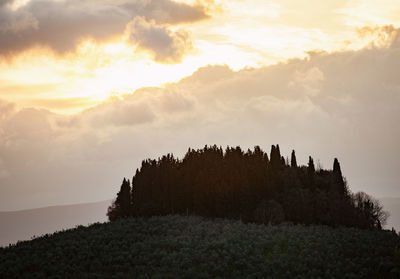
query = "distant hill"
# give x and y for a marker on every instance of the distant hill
(393, 206)
(195, 247)
(24, 224)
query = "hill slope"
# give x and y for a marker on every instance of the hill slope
(193, 247)
(24, 224)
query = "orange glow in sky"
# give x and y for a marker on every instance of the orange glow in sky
(237, 33)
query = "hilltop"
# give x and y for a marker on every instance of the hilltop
(195, 247)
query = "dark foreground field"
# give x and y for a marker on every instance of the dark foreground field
(192, 247)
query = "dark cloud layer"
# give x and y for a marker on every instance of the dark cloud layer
(163, 44)
(166, 11)
(60, 25)
(4, 2)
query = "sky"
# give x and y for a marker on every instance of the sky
(88, 89)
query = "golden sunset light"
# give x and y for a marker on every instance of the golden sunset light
(236, 121)
(239, 34)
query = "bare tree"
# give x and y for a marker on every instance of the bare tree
(370, 210)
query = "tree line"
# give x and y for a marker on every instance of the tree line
(246, 185)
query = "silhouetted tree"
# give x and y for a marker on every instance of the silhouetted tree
(370, 212)
(250, 186)
(311, 167)
(338, 181)
(311, 173)
(293, 161)
(121, 207)
(274, 158)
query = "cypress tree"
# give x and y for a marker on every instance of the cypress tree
(278, 152)
(311, 172)
(272, 153)
(121, 207)
(336, 168)
(275, 157)
(311, 167)
(293, 161)
(338, 180)
(133, 194)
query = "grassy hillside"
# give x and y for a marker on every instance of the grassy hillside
(24, 224)
(192, 247)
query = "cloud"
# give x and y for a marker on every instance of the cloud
(343, 104)
(6, 109)
(383, 36)
(166, 11)
(163, 44)
(61, 25)
(5, 2)
(309, 81)
(58, 103)
(117, 113)
(28, 125)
